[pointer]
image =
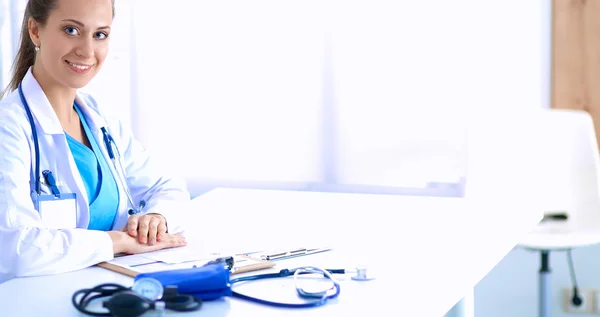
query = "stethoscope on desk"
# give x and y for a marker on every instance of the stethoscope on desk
(111, 148)
(150, 294)
(321, 296)
(186, 289)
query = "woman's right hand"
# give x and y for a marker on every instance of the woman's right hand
(124, 243)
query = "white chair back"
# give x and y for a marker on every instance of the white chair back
(546, 158)
(573, 166)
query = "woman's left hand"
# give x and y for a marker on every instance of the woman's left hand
(148, 228)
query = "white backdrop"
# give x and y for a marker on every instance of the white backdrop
(313, 93)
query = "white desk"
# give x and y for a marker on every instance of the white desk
(427, 252)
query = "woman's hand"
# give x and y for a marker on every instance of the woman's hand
(148, 228)
(124, 243)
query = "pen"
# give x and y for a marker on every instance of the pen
(284, 254)
(291, 254)
(49, 178)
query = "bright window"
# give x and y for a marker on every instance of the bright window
(326, 95)
(231, 93)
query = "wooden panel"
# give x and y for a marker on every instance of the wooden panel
(568, 86)
(591, 56)
(576, 56)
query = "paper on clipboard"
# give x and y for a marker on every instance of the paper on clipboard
(185, 257)
(275, 255)
(242, 264)
(180, 255)
(131, 260)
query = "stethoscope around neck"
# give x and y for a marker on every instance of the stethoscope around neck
(113, 153)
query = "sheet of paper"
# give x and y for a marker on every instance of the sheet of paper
(161, 266)
(131, 260)
(277, 254)
(240, 263)
(180, 255)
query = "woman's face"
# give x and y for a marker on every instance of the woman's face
(74, 42)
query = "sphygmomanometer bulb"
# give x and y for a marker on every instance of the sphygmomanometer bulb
(128, 304)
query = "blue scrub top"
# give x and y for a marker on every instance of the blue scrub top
(99, 182)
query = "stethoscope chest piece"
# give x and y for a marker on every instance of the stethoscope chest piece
(362, 275)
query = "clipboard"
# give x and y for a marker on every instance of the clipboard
(248, 264)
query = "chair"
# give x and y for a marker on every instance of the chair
(569, 158)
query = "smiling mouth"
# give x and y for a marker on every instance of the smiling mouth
(79, 66)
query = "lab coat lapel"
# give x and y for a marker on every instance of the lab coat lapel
(40, 105)
(53, 145)
(96, 122)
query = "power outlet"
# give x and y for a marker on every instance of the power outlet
(588, 301)
(597, 303)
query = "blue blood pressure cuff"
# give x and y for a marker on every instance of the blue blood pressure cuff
(207, 282)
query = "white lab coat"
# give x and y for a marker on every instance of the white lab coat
(27, 246)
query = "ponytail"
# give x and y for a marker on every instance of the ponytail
(39, 10)
(24, 59)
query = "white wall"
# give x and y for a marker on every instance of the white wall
(236, 86)
(6, 42)
(305, 95)
(327, 91)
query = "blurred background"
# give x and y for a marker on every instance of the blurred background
(353, 96)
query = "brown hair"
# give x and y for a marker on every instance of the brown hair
(39, 10)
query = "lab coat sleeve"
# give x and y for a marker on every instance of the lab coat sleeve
(164, 194)
(27, 247)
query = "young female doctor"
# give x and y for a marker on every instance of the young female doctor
(65, 204)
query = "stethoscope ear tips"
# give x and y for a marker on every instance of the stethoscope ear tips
(362, 275)
(131, 212)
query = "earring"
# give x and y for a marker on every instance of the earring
(37, 48)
